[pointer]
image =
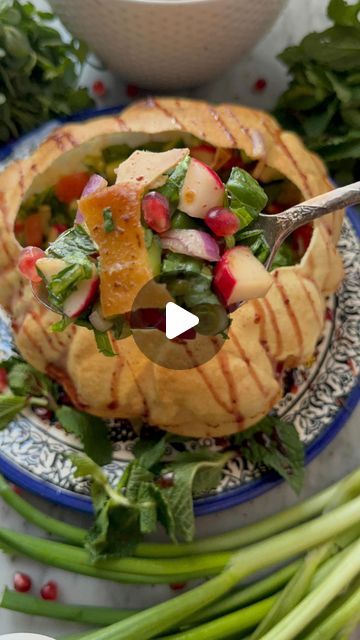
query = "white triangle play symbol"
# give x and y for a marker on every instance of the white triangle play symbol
(178, 320)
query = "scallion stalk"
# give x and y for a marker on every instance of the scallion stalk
(316, 601)
(158, 619)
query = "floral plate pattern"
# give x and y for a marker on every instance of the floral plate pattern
(33, 453)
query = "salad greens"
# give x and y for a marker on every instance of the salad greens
(246, 196)
(171, 188)
(323, 98)
(31, 388)
(38, 70)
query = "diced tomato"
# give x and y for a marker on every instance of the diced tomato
(70, 188)
(301, 238)
(3, 379)
(34, 230)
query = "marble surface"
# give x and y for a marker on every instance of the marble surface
(340, 457)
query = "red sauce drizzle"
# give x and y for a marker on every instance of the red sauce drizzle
(290, 311)
(231, 385)
(167, 112)
(218, 119)
(206, 380)
(248, 363)
(310, 300)
(121, 123)
(275, 326)
(239, 125)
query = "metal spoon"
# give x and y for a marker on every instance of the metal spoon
(276, 227)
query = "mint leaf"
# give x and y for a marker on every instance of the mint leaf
(92, 431)
(276, 444)
(103, 343)
(63, 283)
(194, 474)
(247, 198)
(10, 406)
(24, 380)
(171, 189)
(343, 13)
(62, 324)
(149, 451)
(73, 241)
(108, 220)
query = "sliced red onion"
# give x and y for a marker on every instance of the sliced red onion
(191, 242)
(95, 183)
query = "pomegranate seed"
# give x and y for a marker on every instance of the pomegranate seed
(156, 211)
(132, 91)
(28, 258)
(99, 88)
(260, 84)
(177, 586)
(43, 413)
(60, 228)
(49, 591)
(222, 222)
(3, 379)
(22, 582)
(16, 489)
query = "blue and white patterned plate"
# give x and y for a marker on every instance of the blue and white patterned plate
(33, 452)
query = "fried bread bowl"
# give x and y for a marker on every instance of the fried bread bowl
(242, 383)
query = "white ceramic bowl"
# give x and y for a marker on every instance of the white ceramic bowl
(24, 636)
(168, 44)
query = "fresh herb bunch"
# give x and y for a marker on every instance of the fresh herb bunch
(322, 102)
(38, 70)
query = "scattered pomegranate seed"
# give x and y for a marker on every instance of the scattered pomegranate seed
(166, 481)
(22, 582)
(132, 91)
(260, 84)
(16, 489)
(99, 88)
(60, 227)
(28, 258)
(49, 591)
(177, 586)
(3, 379)
(156, 211)
(222, 222)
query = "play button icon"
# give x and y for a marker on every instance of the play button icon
(169, 334)
(178, 320)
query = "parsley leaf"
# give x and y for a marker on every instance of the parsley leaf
(103, 343)
(277, 445)
(247, 198)
(171, 188)
(10, 406)
(39, 70)
(63, 283)
(108, 220)
(91, 430)
(73, 241)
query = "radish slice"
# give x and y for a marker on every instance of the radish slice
(95, 183)
(80, 299)
(202, 190)
(240, 276)
(191, 242)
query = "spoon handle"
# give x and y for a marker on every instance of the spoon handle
(317, 207)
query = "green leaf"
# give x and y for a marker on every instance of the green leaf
(62, 324)
(103, 343)
(75, 240)
(277, 445)
(194, 474)
(337, 48)
(108, 220)
(16, 42)
(171, 189)
(343, 13)
(179, 263)
(285, 256)
(247, 198)
(65, 282)
(91, 430)
(149, 451)
(10, 406)
(24, 380)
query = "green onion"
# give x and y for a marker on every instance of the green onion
(319, 598)
(233, 623)
(344, 616)
(154, 621)
(26, 603)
